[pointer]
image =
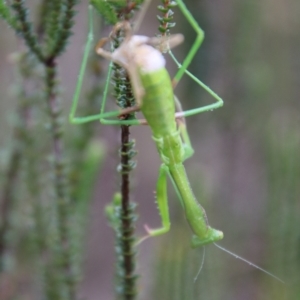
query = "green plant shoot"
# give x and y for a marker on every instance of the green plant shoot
(154, 96)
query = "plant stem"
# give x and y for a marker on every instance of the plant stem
(127, 221)
(125, 234)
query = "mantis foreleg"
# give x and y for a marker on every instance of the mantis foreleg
(195, 214)
(196, 45)
(162, 203)
(183, 67)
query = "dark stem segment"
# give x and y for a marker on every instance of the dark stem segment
(128, 281)
(125, 188)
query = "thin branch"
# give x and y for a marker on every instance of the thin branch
(127, 278)
(64, 32)
(128, 253)
(26, 29)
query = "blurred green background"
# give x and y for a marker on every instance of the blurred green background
(245, 171)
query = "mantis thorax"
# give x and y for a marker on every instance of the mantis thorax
(170, 148)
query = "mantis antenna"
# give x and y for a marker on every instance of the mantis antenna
(201, 266)
(248, 262)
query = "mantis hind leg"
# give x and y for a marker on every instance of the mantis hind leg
(197, 43)
(201, 109)
(182, 68)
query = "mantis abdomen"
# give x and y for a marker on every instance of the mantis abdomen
(158, 103)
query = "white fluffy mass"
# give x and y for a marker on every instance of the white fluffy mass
(136, 51)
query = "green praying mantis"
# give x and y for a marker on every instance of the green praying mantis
(142, 58)
(154, 96)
